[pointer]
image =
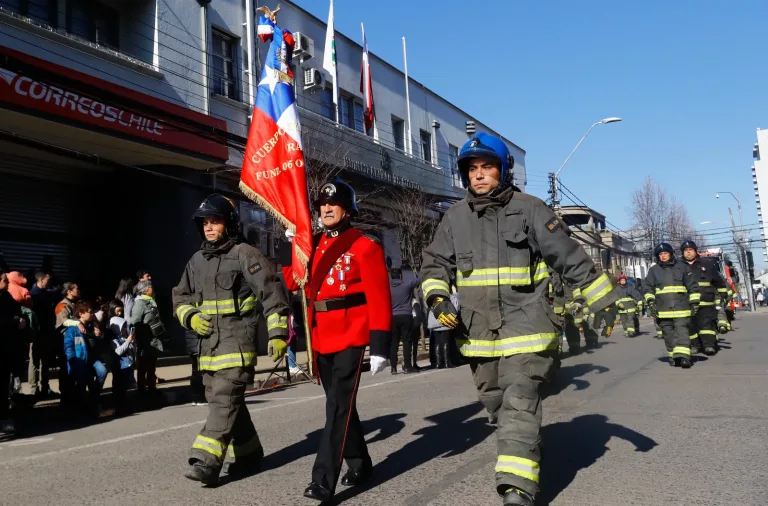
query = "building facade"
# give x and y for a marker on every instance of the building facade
(117, 118)
(760, 184)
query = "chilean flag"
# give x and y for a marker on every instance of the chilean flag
(366, 87)
(274, 174)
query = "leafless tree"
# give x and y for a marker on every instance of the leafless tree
(660, 217)
(415, 223)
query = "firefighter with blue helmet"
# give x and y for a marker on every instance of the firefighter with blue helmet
(497, 246)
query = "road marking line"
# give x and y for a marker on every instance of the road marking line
(187, 425)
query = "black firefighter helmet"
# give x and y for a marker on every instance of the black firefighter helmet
(336, 191)
(688, 244)
(218, 205)
(664, 246)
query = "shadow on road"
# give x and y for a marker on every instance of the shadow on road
(454, 432)
(568, 375)
(575, 445)
(384, 427)
(695, 359)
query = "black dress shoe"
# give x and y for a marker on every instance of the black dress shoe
(317, 492)
(358, 476)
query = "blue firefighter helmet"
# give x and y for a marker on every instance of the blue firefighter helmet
(485, 145)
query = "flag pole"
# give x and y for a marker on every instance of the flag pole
(329, 59)
(308, 336)
(409, 145)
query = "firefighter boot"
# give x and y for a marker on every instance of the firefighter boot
(685, 363)
(202, 473)
(516, 497)
(709, 351)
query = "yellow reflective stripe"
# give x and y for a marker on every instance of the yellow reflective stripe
(243, 450)
(708, 332)
(694, 297)
(723, 290)
(516, 276)
(626, 299)
(705, 303)
(682, 350)
(430, 285)
(209, 445)
(705, 283)
(218, 307)
(275, 321)
(597, 290)
(675, 314)
(694, 336)
(182, 312)
(227, 361)
(671, 289)
(541, 272)
(649, 296)
(524, 468)
(509, 346)
(249, 303)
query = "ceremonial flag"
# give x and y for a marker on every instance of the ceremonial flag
(366, 87)
(273, 173)
(329, 60)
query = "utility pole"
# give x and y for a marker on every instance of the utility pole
(554, 200)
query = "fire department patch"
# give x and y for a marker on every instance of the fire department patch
(253, 269)
(553, 224)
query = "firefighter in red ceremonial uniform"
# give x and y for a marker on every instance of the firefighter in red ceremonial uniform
(349, 308)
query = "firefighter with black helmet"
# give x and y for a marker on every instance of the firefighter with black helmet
(226, 289)
(673, 296)
(496, 245)
(704, 323)
(630, 303)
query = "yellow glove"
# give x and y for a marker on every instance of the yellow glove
(201, 324)
(277, 348)
(445, 312)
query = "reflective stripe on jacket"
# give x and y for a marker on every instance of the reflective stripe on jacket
(673, 288)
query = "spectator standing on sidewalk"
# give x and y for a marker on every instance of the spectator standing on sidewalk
(149, 328)
(125, 294)
(20, 350)
(443, 337)
(46, 346)
(64, 319)
(402, 289)
(124, 349)
(11, 324)
(84, 372)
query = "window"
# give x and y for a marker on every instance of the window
(223, 59)
(327, 110)
(453, 161)
(398, 132)
(359, 119)
(94, 21)
(43, 11)
(426, 146)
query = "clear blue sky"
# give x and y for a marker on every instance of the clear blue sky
(689, 78)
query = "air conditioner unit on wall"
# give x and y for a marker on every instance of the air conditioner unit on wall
(304, 48)
(313, 79)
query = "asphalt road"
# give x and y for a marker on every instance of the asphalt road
(621, 428)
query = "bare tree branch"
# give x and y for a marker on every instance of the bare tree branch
(415, 222)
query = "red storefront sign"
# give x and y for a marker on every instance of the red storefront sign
(116, 112)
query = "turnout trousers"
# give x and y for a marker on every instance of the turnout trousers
(630, 322)
(676, 336)
(343, 437)
(704, 328)
(228, 427)
(597, 320)
(508, 387)
(572, 334)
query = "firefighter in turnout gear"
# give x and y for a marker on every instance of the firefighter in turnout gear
(630, 303)
(496, 245)
(704, 323)
(673, 296)
(225, 290)
(574, 318)
(605, 317)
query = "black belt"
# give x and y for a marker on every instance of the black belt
(354, 300)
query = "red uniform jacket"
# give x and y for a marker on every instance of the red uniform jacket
(361, 269)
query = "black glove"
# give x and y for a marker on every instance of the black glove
(445, 312)
(652, 309)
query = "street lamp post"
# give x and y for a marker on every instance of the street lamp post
(556, 188)
(741, 249)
